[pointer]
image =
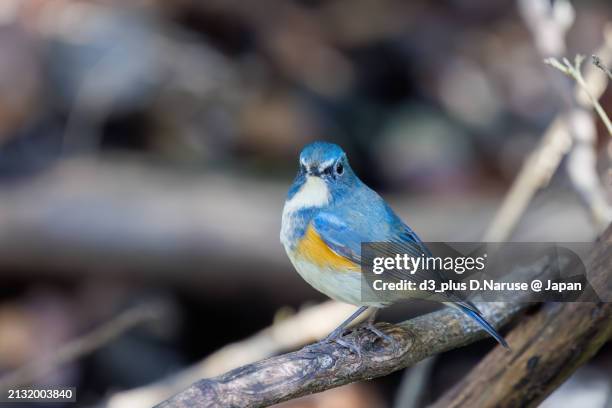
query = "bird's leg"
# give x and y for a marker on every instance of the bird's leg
(338, 331)
(336, 335)
(371, 327)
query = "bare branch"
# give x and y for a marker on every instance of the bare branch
(79, 347)
(307, 325)
(597, 62)
(542, 163)
(574, 71)
(321, 366)
(550, 346)
(582, 160)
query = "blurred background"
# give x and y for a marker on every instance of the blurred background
(146, 150)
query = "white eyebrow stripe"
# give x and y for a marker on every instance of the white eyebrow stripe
(326, 164)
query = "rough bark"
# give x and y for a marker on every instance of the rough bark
(548, 348)
(322, 366)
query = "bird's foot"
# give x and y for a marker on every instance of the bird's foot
(337, 337)
(382, 335)
(351, 346)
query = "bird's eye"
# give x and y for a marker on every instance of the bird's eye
(339, 168)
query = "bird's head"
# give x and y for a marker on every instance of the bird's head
(322, 159)
(324, 174)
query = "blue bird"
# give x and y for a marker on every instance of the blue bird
(328, 213)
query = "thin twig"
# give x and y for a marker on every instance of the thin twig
(582, 159)
(597, 62)
(548, 23)
(543, 162)
(79, 347)
(574, 71)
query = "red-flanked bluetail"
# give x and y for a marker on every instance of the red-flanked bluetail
(328, 214)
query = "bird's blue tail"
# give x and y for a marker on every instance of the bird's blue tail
(474, 313)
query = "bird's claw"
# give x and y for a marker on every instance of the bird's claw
(382, 335)
(337, 337)
(349, 345)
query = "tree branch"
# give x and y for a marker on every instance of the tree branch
(542, 163)
(597, 62)
(556, 341)
(321, 366)
(575, 71)
(549, 346)
(310, 324)
(81, 346)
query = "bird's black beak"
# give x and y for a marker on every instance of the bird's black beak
(313, 171)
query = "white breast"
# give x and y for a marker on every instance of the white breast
(343, 286)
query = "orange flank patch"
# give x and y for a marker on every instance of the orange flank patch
(313, 249)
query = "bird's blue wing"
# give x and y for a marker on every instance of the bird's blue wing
(345, 239)
(339, 237)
